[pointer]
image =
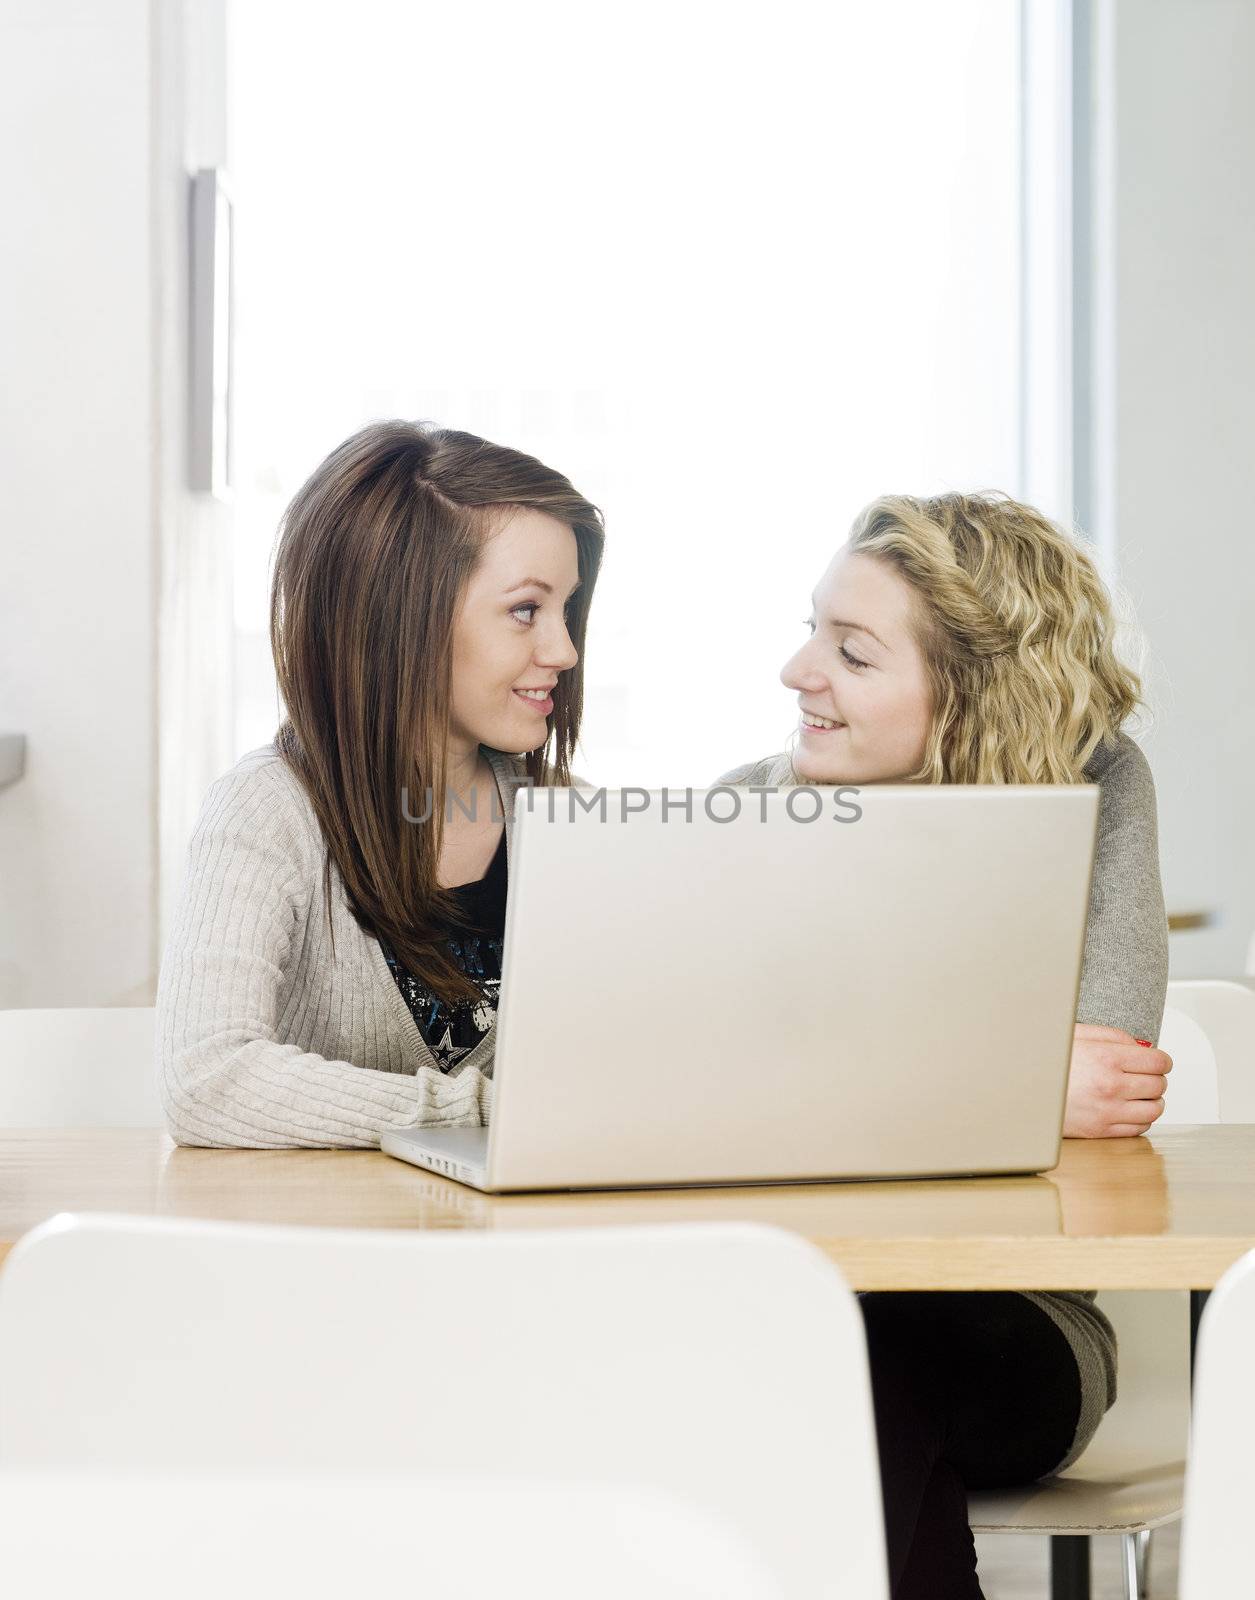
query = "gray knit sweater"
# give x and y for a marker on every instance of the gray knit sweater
(1124, 980)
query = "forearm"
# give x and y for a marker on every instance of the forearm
(232, 1092)
(1125, 968)
(1124, 985)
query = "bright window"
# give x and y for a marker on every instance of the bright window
(734, 270)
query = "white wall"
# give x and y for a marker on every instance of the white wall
(197, 624)
(1183, 121)
(93, 136)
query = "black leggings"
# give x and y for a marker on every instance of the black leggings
(971, 1391)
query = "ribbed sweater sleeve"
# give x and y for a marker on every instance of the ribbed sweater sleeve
(1124, 976)
(227, 1078)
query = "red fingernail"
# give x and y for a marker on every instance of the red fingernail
(1146, 1044)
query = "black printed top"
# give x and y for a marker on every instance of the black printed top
(451, 1032)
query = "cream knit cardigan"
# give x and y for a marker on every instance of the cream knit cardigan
(265, 1039)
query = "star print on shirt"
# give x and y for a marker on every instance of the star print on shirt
(446, 1052)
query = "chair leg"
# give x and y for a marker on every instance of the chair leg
(1069, 1566)
(1128, 1547)
(1143, 1564)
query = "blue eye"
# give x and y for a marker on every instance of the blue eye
(531, 607)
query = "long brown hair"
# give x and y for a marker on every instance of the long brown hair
(374, 555)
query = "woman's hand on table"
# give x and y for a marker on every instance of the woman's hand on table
(1116, 1084)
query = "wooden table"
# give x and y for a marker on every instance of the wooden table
(1167, 1212)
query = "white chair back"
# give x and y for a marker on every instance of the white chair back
(723, 1364)
(325, 1538)
(1130, 1472)
(1220, 1477)
(91, 1068)
(1209, 1031)
(1194, 1083)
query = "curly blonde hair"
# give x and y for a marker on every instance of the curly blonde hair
(1016, 627)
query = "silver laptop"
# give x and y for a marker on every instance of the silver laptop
(827, 984)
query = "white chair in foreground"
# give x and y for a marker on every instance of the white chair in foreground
(1220, 1481)
(90, 1068)
(325, 1538)
(1131, 1478)
(723, 1365)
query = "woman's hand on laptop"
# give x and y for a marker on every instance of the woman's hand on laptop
(1116, 1084)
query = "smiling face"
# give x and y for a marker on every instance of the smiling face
(861, 680)
(510, 640)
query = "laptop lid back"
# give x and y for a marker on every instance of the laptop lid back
(695, 996)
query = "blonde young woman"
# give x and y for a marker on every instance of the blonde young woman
(965, 639)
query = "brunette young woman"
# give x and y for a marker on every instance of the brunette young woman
(334, 966)
(965, 639)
